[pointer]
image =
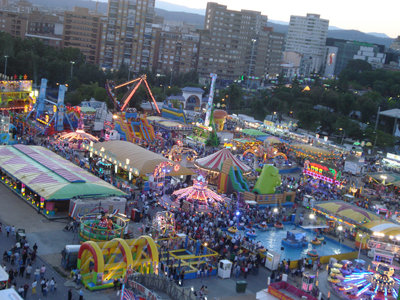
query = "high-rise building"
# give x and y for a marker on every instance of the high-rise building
(82, 30)
(307, 36)
(175, 51)
(127, 35)
(234, 43)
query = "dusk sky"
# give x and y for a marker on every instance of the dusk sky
(368, 16)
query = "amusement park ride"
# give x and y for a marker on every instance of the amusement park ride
(134, 85)
(59, 109)
(129, 124)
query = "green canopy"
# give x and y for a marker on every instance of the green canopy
(253, 132)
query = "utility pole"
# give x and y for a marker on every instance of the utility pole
(253, 42)
(376, 126)
(72, 68)
(5, 65)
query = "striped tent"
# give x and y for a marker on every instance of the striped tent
(214, 161)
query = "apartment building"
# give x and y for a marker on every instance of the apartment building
(234, 43)
(13, 23)
(307, 36)
(175, 50)
(127, 35)
(82, 30)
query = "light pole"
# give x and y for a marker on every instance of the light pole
(362, 236)
(170, 78)
(129, 73)
(253, 42)
(5, 65)
(72, 68)
(340, 228)
(344, 132)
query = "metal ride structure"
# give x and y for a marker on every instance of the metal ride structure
(133, 87)
(59, 112)
(164, 223)
(176, 153)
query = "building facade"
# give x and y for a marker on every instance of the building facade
(307, 36)
(13, 23)
(340, 52)
(235, 43)
(127, 35)
(175, 51)
(396, 44)
(82, 30)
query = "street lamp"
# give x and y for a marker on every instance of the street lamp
(340, 228)
(129, 73)
(253, 42)
(5, 65)
(344, 132)
(72, 68)
(362, 236)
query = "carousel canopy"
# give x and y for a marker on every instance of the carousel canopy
(350, 213)
(214, 161)
(51, 176)
(78, 135)
(198, 191)
(143, 160)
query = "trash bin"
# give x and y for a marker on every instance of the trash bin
(241, 286)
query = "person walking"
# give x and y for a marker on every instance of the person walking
(80, 294)
(70, 294)
(34, 285)
(26, 288)
(42, 271)
(52, 284)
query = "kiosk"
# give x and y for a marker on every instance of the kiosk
(10, 294)
(224, 268)
(272, 260)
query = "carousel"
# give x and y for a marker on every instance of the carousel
(199, 194)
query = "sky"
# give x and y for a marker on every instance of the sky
(364, 15)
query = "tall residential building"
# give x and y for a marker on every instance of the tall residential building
(82, 30)
(13, 23)
(175, 51)
(307, 36)
(46, 27)
(233, 43)
(127, 35)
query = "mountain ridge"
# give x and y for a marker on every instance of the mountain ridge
(196, 17)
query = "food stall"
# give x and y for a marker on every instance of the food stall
(3, 279)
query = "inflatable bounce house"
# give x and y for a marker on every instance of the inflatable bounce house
(219, 117)
(99, 263)
(175, 114)
(131, 126)
(231, 180)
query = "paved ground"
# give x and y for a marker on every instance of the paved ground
(50, 238)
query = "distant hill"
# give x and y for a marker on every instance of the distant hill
(190, 18)
(196, 17)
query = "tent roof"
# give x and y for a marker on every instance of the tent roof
(386, 227)
(253, 132)
(393, 113)
(143, 160)
(51, 176)
(214, 161)
(345, 210)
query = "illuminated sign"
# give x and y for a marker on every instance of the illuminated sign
(322, 172)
